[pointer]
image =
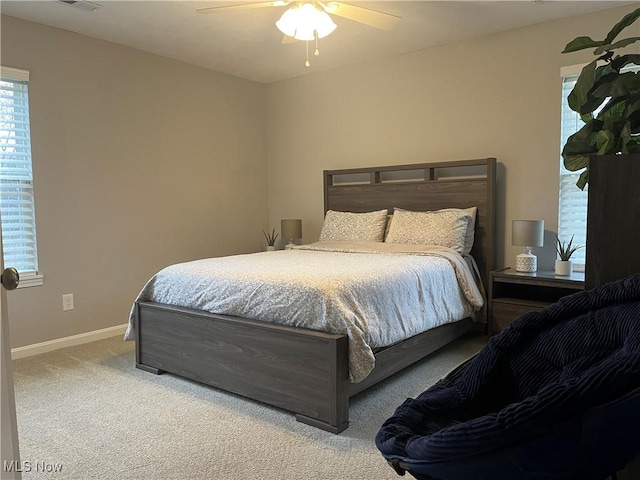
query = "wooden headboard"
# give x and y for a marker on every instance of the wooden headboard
(422, 187)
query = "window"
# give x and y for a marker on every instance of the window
(16, 177)
(572, 213)
(572, 209)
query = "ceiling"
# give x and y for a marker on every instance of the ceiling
(247, 44)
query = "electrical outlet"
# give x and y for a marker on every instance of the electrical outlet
(67, 302)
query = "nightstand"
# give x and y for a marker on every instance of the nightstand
(512, 294)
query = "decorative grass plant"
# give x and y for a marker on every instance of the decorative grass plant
(566, 249)
(271, 237)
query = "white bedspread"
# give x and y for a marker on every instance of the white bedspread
(375, 293)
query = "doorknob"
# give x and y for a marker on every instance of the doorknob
(10, 278)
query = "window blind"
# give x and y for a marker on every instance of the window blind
(572, 214)
(16, 176)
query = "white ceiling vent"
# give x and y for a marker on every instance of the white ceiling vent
(82, 5)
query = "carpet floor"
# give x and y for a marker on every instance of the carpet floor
(86, 412)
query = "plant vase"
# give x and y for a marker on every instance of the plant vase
(563, 267)
(271, 248)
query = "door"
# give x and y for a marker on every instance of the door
(10, 466)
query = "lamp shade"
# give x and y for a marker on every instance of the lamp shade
(290, 228)
(527, 233)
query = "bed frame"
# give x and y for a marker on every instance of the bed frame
(306, 371)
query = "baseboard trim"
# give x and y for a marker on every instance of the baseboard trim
(51, 345)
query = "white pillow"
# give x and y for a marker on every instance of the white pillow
(471, 226)
(348, 226)
(447, 228)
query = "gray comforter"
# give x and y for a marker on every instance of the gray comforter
(375, 293)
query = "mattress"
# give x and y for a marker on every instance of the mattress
(375, 293)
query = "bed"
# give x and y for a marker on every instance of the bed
(303, 370)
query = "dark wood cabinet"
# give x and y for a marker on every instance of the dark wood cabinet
(613, 218)
(512, 294)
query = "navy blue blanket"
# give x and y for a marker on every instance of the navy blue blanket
(546, 367)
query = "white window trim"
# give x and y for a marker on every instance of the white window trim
(569, 71)
(17, 74)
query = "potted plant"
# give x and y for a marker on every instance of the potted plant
(271, 239)
(565, 250)
(607, 99)
(607, 149)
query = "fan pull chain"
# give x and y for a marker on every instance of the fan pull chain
(317, 51)
(306, 64)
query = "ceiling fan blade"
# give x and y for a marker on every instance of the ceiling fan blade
(287, 39)
(374, 18)
(242, 6)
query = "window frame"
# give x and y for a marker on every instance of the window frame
(34, 277)
(567, 179)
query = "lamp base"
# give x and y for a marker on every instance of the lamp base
(526, 262)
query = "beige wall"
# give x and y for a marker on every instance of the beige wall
(139, 162)
(494, 96)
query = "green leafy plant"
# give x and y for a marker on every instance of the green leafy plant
(270, 237)
(614, 94)
(564, 249)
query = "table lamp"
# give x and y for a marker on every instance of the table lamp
(290, 228)
(527, 233)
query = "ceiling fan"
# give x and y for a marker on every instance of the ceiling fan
(364, 15)
(311, 20)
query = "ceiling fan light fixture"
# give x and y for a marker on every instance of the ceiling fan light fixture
(324, 25)
(305, 22)
(288, 22)
(305, 34)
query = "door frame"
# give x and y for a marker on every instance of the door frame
(10, 466)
